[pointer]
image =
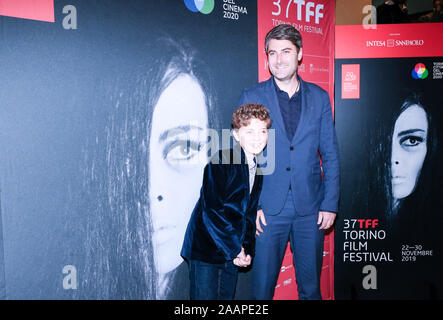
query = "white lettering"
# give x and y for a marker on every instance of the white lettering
(370, 20)
(70, 281)
(309, 13)
(70, 21)
(370, 281)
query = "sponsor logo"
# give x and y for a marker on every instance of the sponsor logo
(419, 71)
(391, 43)
(313, 68)
(437, 70)
(202, 6)
(350, 76)
(350, 81)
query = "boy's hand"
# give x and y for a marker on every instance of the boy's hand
(242, 260)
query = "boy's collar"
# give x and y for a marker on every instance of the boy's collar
(240, 156)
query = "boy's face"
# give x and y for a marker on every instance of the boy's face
(253, 137)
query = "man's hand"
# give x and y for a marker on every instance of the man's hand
(260, 218)
(242, 260)
(326, 219)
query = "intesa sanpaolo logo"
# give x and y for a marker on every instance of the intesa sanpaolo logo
(419, 71)
(203, 6)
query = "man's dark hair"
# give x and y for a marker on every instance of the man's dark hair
(284, 32)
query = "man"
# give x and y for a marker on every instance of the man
(295, 202)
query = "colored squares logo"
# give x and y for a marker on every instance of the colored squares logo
(419, 71)
(203, 6)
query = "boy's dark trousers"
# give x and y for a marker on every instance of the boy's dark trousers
(209, 281)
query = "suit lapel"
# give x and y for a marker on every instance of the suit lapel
(305, 111)
(273, 105)
(239, 157)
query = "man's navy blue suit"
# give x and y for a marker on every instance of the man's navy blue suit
(295, 192)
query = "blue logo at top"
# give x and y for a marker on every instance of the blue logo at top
(203, 6)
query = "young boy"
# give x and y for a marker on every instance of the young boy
(221, 232)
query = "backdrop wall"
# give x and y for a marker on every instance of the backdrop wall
(315, 21)
(388, 120)
(105, 110)
(86, 213)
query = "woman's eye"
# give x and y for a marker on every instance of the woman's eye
(182, 150)
(411, 141)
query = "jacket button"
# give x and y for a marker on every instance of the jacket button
(288, 169)
(291, 148)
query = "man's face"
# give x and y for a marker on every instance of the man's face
(283, 59)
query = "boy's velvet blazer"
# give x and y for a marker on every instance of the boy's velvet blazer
(223, 220)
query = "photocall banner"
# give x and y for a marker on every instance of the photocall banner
(388, 105)
(105, 111)
(315, 21)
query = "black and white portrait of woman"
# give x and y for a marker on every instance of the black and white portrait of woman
(106, 129)
(409, 150)
(151, 135)
(402, 162)
(145, 170)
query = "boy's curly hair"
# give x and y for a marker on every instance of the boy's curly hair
(243, 115)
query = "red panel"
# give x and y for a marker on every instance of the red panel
(315, 21)
(389, 41)
(42, 10)
(350, 81)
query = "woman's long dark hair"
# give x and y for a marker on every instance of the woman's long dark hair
(377, 186)
(413, 213)
(119, 261)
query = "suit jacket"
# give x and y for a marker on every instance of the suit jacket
(297, 162)
(223, 219)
